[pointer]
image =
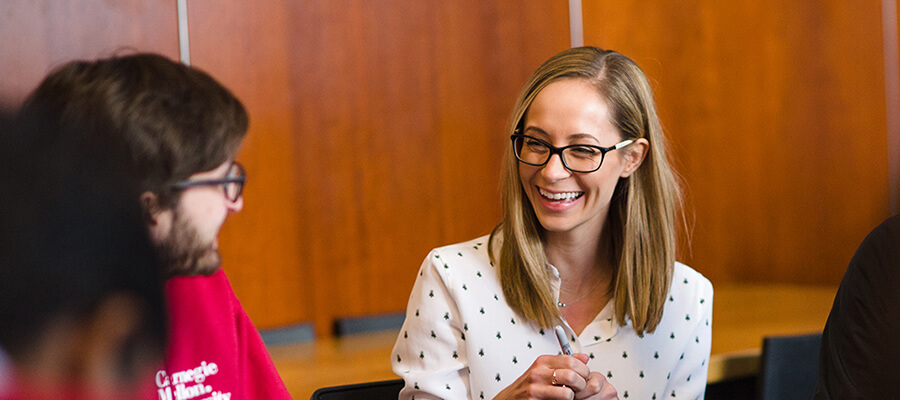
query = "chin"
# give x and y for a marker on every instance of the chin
(555, 224)
(198, 265)
(209, 263)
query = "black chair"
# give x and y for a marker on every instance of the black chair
(381, 390)
(788, 367)
(743, 388)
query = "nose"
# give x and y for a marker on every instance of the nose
(554, 170)
(235, 206)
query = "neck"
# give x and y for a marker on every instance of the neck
(584, 262)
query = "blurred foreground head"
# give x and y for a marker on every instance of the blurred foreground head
(81, 300)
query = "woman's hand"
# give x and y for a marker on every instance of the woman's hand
(559, 377)
(596, 387)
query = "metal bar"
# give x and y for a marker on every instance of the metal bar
(184, 43)
(576, 24)
(892, 98)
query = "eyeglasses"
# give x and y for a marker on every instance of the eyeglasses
(584, 158)
(232, 183)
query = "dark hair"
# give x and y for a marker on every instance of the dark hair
(175, 120)
(71, 236)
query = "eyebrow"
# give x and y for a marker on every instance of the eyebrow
(570, 137)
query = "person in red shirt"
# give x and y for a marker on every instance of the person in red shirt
(181, 130)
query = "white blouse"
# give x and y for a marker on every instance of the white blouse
(460, 340)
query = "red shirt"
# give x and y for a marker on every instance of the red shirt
(214, 350)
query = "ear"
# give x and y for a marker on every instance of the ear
(150, 207)
(158, 219)
(634, 156)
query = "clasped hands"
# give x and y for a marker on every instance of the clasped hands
(560, 377)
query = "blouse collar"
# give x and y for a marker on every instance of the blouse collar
(603, 327)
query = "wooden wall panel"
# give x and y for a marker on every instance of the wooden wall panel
(398, 109)
(376, 131)
(776, 114)
(243, 45)
(377, 127)
(38, 35)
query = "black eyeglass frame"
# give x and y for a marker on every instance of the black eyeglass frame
(559, 151)
(241, 180)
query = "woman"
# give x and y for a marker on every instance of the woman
(587, 242)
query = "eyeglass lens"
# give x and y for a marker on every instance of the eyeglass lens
(233, 190)
(576, 158)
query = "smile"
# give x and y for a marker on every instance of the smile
(562, 196)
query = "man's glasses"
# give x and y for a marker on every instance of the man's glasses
(232, 183)
(584, 158)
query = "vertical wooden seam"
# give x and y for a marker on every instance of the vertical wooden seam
(576, 24)
(892, 98)
(184, 43)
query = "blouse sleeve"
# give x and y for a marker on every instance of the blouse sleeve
(429, 353)
(688, 378)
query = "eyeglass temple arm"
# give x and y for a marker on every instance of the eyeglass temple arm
(623, 144)
(185, 184)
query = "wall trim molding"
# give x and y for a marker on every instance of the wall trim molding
(576, 24)
(292, 334)
(368, 323)
(184, 42)
(892, 98)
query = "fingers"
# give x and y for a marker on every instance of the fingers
(541, 381)
(569, 373)
(593, 386)
(582, 357)
(598, 387)
(573, 363)
(567, 378)
(556, 392)
(608, 392)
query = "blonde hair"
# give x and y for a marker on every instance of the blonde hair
(642, 210)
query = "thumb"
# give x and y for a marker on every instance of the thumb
(582, 357)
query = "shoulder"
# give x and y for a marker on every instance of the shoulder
(873, 274)
(469, 254)
(477, 245)
(874, 265)
(690, 285)
(882, 243)
(890, 226)
(685, 275)
(465, 266)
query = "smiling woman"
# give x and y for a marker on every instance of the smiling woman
(571, 194)
(587, 243)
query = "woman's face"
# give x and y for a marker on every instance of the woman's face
(568, 112)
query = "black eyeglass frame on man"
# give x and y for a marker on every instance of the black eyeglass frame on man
(236, 177)
(559, 151)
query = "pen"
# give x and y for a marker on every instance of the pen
(563, 341)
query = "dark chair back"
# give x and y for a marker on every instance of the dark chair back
(381, 390)
(743, 388)
(788, 367)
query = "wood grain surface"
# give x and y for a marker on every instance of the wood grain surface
(377, 127)
(776, 114)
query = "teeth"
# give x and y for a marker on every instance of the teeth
(559, 196)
